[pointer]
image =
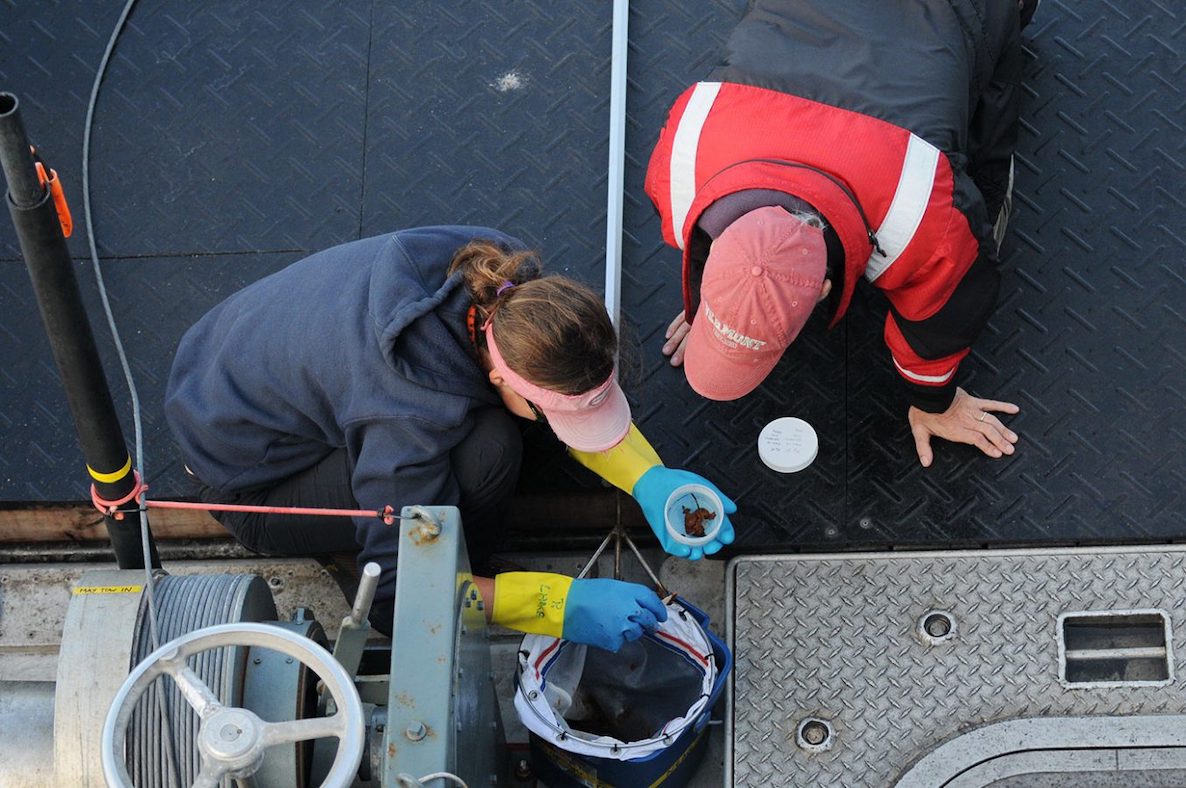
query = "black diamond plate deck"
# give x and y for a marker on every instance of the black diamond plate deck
(221, 127)
(229, 140)
(495, 115)
(48, 55)
(1087, 338)
(156, 299)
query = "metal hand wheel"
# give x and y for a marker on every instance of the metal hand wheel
(231, 741)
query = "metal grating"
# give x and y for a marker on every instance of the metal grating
(836, 637)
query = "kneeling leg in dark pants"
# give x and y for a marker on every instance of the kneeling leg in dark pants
(485, 466)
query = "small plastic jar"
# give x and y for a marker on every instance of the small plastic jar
(693, 497)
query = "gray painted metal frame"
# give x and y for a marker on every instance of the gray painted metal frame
(442, 712)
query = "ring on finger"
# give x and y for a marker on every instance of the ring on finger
(983, 413)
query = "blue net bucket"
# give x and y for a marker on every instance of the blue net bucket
(637, 717)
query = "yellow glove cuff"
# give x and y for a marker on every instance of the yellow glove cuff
(624, 464)
(531, 602)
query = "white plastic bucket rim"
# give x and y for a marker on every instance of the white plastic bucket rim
(680, 633)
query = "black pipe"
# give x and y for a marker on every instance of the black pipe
(16, 157)
(52, 271)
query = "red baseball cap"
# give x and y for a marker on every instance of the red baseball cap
(761, 281)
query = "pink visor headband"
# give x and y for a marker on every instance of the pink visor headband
(545, 399)
(594, 421)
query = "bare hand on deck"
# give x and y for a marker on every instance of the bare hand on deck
(967, 420)
(677, 339)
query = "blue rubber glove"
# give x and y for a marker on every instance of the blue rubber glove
(609, 613)
(652, 490)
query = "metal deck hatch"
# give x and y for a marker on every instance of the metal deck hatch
(1046, 649)
(1115, 648)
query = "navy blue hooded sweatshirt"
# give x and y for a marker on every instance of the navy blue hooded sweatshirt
(362, 346)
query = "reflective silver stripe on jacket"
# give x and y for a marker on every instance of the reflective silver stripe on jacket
(683, 154)
(917, 378)
(908, 206)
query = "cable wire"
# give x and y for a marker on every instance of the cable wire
(145, 541)
(443, 776)
(119, 345)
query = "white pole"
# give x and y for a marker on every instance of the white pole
(617, 163)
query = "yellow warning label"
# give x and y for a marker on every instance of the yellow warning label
(107, 590)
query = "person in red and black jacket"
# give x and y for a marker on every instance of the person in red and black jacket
(841, 140)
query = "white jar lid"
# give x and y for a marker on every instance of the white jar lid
(788, 445)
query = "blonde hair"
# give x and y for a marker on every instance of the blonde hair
(552, 330)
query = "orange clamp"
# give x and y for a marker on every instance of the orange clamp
(55, 189)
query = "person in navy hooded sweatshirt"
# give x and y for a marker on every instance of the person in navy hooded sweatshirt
(385, 372)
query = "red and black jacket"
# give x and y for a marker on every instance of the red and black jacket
(814, 100)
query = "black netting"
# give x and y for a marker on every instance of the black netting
(629, 695)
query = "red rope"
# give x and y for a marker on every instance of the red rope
(111, 508)
(387, 515)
